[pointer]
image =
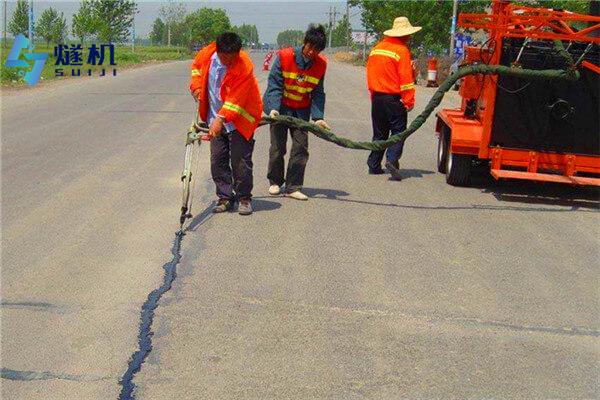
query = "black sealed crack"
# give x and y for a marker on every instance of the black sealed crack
(15, 375)
(147, 316)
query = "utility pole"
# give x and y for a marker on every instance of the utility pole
(348, 19)
(30, 25)
(332, 17)
(453, 28)
(365, 46)
(330, 27)
(133, 33)
(4, 33)
(168, 34)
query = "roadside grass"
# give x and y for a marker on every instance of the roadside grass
(124, 58)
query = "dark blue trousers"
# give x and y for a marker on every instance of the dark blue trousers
(231, 165)
(387, 114)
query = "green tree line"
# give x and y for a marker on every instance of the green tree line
(174, 26)
(341, 32)
(105, 20)
(290, 37)
(435, 16)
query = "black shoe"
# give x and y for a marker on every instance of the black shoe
(223, 205)
(376, 171)
(394, 170)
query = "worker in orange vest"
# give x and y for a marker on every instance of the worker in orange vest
(295, 88)
(391, 81)
(224, 85)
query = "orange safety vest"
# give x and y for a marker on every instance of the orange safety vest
(389, 70)
(242, 103)
(298, 83)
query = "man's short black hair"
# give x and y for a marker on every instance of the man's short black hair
(228, 42)
(316, 36)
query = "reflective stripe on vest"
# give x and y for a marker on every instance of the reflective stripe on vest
(385, 53)
(292, 96)
(196, 72)
(298, 89)
(235, 108)
(307, 78)
(408, 86)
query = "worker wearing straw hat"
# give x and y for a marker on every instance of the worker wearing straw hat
(390, 79)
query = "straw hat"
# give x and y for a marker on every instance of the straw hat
(402, 27)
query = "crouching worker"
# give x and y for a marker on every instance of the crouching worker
(224, 85)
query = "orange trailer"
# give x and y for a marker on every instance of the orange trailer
(541, 131)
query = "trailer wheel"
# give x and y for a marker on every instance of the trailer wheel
(442, 149)
(458, 169)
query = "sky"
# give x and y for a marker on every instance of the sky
(270, 17)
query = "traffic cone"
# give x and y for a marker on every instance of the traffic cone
(432, 72)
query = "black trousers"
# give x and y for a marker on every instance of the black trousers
(387, 114)
(231, 165)
(294, 178)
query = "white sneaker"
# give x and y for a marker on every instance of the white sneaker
(298, 195)
(274, 190)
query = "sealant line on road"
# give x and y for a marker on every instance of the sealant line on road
(146, 318)
(15, 375)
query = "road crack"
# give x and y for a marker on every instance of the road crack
(146, 318)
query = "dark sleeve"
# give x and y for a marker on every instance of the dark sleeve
(272, 97)
(317, 107)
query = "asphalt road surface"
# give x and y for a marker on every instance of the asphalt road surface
(372, 289)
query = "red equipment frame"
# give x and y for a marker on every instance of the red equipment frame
(472, 136)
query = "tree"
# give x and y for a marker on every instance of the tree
(51, 26)
(435, 16)
(85, 22)
(20, 19)
(206, 24)
(341, 32)
(248, 33)
(290, 37)
(60, 29)
(172, 13)
(157, 35)
(578, 6)
(115, 18)
(181, 34)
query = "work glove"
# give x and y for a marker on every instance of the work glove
(274, 113)
(321, 123)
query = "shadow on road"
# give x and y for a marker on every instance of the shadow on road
(258, 205)
(201, 218)
(324, 193)
(414, 173)
(576, 205)
(530, 192)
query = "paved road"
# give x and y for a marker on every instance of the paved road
(371, 289)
